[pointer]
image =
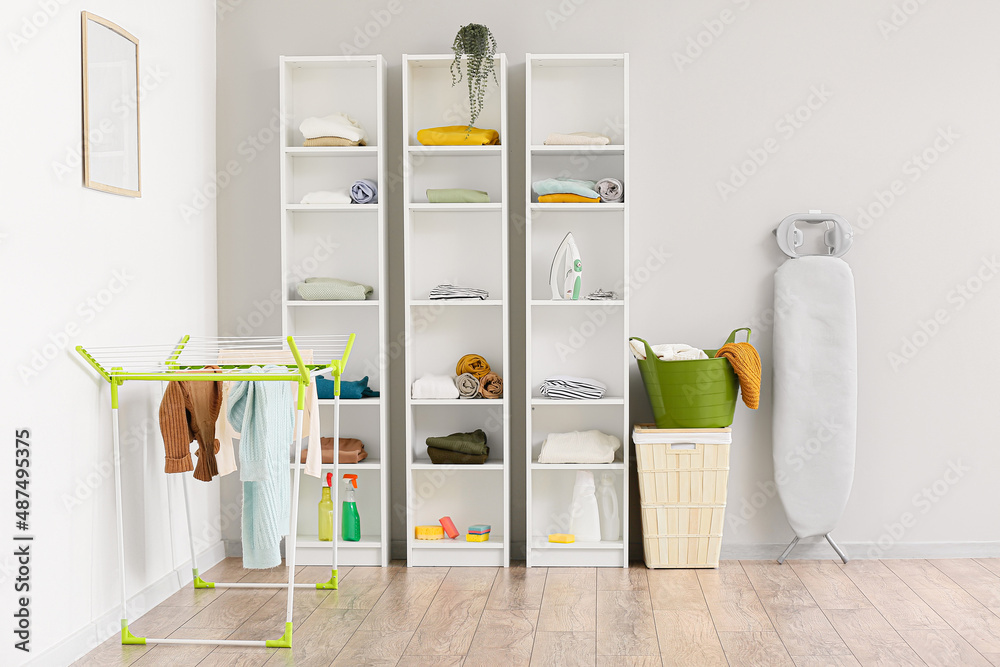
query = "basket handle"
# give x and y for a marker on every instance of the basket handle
(732, 336)
(649, 351)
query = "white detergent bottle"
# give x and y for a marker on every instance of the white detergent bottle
(607, 501)
(584, 517)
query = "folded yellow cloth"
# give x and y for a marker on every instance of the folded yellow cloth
(457, 135)
(474, 364)
(332, 141)
(567, 198)
(746, 364)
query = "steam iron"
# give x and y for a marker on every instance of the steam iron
(566, 272)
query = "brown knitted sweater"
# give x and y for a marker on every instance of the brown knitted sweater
(188, 412)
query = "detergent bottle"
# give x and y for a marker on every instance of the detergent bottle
(350, 519)
(326, 512)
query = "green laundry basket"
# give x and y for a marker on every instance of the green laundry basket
(698, 393)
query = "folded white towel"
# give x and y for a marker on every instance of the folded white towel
(341, 196)
(579, 447)
(334, 125)
(434, 386)
(577, 139)
(668, 352)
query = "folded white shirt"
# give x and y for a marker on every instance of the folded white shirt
(341, 196)
(668, 352)
(579, 447)
(334, 125)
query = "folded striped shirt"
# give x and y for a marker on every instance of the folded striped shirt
(568, 387)
(455, 292)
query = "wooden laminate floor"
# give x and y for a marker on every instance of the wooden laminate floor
(758, 613)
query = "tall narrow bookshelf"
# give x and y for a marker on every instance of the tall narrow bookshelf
(576, 93)
(465, 245)
(340, 241)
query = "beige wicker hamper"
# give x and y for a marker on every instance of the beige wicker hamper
(682, 489)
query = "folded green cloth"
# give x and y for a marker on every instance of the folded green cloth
(457, 196)
(333, 289)
(443, 456)
(465, 443)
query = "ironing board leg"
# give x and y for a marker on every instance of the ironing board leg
(788, 550)
(839, 551)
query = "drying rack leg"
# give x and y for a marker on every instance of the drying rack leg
(197, 582)
(836, 548)
(788, 550)
(127, 637)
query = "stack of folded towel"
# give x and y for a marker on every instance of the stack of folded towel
(457, 196)
(333, 289)
(363, 191)
(352, 450)
(459, 448)
(566, 190)
(569, 387)
(447, 292)
(434, 386)
(577, 139)
(337, 129)
(458, 135)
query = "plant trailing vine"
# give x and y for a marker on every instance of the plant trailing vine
(478, 46)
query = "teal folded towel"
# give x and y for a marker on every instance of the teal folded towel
(567, 186)
(457, 196)
(348, 389)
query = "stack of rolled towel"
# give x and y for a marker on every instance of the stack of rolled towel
(337, 129)
(473, 379)
(352, 450)
(363, 191)
(563, 190)
(459, 448)
(577, 139)
(569, 387)
(448, 292)
(458, 135)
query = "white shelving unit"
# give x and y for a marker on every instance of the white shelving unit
(462, 244)
(342, 241)
(575, 93)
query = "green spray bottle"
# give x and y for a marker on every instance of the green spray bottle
(326, 512)
(350, 519)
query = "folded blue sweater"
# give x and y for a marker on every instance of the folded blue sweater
(348, 389)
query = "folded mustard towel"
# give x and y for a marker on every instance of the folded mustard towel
(457, 196)
(457, 135)
(567, 198)
(474, 364)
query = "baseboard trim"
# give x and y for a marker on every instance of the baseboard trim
(817, 548)
(99, 630)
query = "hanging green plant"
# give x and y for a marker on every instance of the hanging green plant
(478, 46)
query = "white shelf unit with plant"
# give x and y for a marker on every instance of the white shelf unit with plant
(576, 93)
(465, 245)
(341, 241)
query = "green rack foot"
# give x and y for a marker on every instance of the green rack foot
(199, 582)
(284, 642)
(329, 585)
(128, 638)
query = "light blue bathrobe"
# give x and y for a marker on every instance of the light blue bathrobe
(264, 414)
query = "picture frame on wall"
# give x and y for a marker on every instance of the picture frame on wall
(110, 75)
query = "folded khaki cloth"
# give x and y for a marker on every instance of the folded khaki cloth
(473, 443)
(352, 450)
(577, 139)
(457, 135)
(332, 141)
(491, 386)
(567, 198)
(457, 196)
(443, 456)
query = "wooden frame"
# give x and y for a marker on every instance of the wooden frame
(89, 179)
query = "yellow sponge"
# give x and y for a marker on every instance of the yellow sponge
(562, 538)
(429, 532)
(471, 537)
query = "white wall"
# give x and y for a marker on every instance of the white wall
(888, 93)
(110, 270)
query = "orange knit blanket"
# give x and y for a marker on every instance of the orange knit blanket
(746, 363)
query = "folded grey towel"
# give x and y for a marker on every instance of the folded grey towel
(468, 385)
(364, 191)
(610, 189)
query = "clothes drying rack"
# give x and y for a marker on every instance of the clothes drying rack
(234, 357)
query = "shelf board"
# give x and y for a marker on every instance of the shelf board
(455, 303)
(578, 60)
(353, 208)
(425, 464)
(579, 303)
(324, 151)
(367, 464)
(312, 541)
(616, 465)
(456, 207)
(454, 150)
(541, 542)
(577, 207)
(608, 400)
(610, 149)
(465, 402)
(352, 401)
(495, 542)
(301, 303)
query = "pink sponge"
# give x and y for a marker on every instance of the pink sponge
(449, 526)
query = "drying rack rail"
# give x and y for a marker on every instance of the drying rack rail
(303, 357)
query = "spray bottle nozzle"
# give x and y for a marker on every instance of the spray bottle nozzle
(352, 478)
(329, 479)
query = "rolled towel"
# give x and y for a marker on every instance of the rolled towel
(577, 139)
(364, 191)
(473, 364)
(434, 386)
(468, 385)
(335, 125)
(572, 186)
(457, 196)
(473, 443)
(491, 386)
(611, 190)
(342, 196)
(332, 141)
